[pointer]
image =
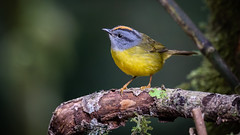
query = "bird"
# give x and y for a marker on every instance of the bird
(137, 54)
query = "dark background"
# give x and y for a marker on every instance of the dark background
(52, 51)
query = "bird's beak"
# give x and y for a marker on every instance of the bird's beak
(107, 30)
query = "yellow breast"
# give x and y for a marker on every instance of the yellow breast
(136, 61)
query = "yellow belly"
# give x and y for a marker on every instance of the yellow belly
(137, 62)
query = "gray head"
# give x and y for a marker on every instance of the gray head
(123, 37)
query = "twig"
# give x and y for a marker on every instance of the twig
(107, 110)
(203, 44)
(192, 131)
(199, 122)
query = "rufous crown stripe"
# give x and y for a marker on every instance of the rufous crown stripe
(123, 27)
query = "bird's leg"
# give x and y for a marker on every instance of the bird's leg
(125, 86)
(149, 84)
(150, 81)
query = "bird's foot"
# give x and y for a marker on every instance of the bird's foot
(145, 87)
(121, 90)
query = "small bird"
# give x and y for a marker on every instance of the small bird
(137, 54)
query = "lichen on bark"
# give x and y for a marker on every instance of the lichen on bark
(114, 109)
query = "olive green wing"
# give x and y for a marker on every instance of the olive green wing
(151, 45)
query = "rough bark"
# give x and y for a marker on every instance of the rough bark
(107, 110)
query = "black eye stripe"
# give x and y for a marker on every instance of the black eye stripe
(131, 32)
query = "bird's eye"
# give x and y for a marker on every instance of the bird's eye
(119, 35)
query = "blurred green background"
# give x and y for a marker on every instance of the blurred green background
(52, 51)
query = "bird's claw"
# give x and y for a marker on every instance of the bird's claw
(121, 90)
(144, 87)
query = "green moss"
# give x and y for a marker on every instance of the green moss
(234, 114)
(142, 125)
(223, 31)
(206, 78)
(158, 93)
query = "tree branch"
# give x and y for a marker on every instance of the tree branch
(107, 110)
(203, 44)
(199, 122)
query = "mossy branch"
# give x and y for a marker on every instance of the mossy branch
(107, 110)
(203, 44)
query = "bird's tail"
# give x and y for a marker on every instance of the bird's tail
(169, 53)
(176, 52)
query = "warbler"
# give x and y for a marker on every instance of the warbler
(137, 54)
